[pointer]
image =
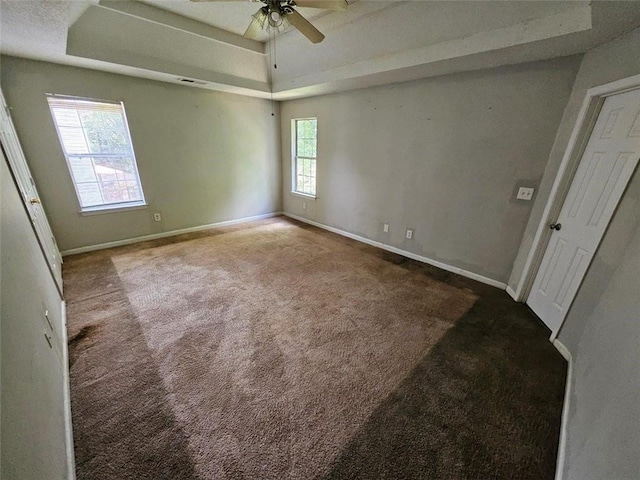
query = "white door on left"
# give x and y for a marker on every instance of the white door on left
(28, 192)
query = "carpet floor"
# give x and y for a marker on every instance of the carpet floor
(276, 350)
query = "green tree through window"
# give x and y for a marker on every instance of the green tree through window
(96, 143)
(305, 144)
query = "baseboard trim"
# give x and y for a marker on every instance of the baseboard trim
(155, 236)
(512, 293)
(66, 388)
(564, 351)
(404, 253)
(562, 447)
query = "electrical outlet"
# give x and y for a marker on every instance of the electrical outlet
(304, 205)
(385, 228)
(157, 217)
(525, 193)
(409, 233)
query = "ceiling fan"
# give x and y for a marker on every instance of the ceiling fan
(278, 14)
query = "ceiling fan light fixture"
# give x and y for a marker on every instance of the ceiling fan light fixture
(278, 15)
(275, 18)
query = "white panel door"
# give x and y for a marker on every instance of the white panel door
(607, 164)
(30, 197)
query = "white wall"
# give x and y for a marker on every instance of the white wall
(203, 156)
(442, 156)
(32, 399)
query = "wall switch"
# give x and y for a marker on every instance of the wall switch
(157, 217)
(525, 193)
(409, 233)
(304, 205)
(385, 228)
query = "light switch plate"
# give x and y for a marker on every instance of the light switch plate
(525, 193)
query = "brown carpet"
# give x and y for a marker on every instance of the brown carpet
(274, 350)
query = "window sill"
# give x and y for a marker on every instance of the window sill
(303, 195)
(107, 209)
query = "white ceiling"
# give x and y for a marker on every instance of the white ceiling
(233, 16)
(372, 43)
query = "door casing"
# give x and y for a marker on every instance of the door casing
(12, 148)
(578, 140)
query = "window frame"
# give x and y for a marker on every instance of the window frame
(294, 158)
(104, 207)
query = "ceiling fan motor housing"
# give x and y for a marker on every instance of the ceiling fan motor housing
(276, 10)
(277, 15)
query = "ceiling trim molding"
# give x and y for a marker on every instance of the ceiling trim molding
(178, 22)
(554, 26)
(213, 80)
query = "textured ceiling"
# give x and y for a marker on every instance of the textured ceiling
(38, 27)
(233, 16)
(371, 43)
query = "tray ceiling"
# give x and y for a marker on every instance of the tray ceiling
(372, 43)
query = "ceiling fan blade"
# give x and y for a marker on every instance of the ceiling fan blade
(256, 25)
(305, 28)
(324, 4)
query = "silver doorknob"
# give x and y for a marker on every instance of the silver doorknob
(555, 226)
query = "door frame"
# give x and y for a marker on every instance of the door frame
(587, 116)
(23, 179)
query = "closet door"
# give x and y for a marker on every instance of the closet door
(26, 185)
(607, 164)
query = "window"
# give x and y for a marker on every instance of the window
(305, 143)
(96, 143)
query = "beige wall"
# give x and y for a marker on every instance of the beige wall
(607, 63)
(441, 156)
(33, 434)
(602, 329)
(203, 156)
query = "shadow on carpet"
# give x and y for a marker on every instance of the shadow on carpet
(485, 403)
(280, 351)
